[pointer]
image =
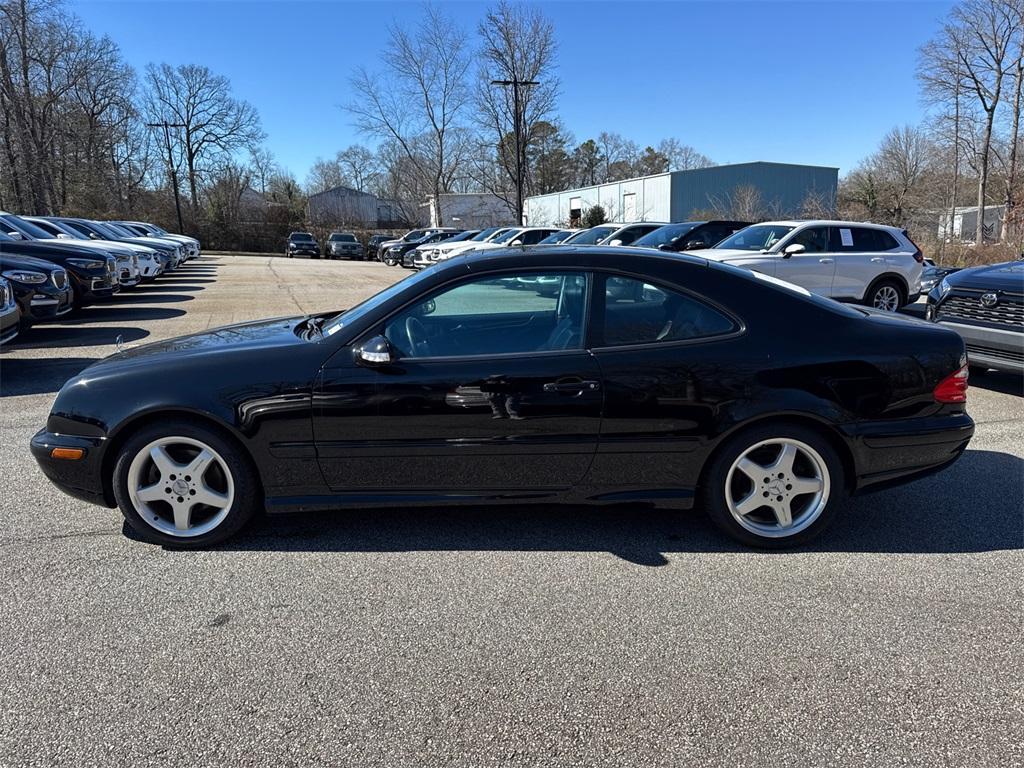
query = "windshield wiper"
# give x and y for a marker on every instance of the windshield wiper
(314, 325)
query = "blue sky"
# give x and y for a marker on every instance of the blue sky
(807, 82)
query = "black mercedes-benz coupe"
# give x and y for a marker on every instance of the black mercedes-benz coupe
(645, 376)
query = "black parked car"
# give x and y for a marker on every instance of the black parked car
(300, 243)
(93, 276)
(690, 235)
(985, 305)
(645, 377)
(41, 288)
(171, 254)
(373, 245)
(344, 244)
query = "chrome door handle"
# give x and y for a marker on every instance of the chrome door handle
(572, 386)
(825, 261)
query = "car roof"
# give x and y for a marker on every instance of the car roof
(574, 255)
(826, 223)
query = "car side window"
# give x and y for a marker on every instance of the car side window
(813, 239)
(637, 312)
(526, 312)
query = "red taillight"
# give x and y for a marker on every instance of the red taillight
(953, 388)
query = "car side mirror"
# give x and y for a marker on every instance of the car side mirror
(374, 352)
(16, 235)
(62, 236)
(665, 247)
(93, 236)
(694, 245)
(794, 248)
(517, 241)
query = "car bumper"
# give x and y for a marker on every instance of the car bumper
(892, 452)
(48, 306)
(991, 347)
(81, 478)
(9, 322)
(349, 253)
(304, 252)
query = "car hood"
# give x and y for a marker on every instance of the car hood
(724, 254)
(17, 261)
(1008, 276)
(43, 250)
(108, 246)
(257, 335)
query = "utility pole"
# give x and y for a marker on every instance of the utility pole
(518, 123)
(170, 165)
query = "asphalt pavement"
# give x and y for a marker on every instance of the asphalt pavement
(557, 636)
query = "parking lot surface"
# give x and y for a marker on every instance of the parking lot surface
(508, 636)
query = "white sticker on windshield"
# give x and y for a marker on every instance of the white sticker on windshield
(847, 237)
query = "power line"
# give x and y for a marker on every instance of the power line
(518, 123)
(170, 165)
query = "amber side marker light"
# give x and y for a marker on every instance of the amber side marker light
(71, 454)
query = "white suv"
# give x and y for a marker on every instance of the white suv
(846, 260)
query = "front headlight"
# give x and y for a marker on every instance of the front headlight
(944, 287)
(24, 276)
(86, 263)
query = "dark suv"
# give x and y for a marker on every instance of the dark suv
(344, 244)
(302, 243)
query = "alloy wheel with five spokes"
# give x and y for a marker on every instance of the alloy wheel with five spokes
(777, 487)
(180, 486)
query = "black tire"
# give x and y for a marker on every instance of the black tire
(247, 492)
(872, 295)
(714, 488)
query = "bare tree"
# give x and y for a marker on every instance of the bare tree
(517, 47)
(263, 165)
(358, 166)
(214, 124)
(419, 100)
(682, 157)
(973, 54)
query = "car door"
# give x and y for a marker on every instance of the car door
(812, 268)
(491, 390)
(662, 354)
(859, 260)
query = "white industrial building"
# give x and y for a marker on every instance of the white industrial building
(778, 189)
(963, 224)
(468, 210)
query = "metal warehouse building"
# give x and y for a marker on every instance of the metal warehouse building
(781, 190)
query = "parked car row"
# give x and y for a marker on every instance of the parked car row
(850, 261)
(339, 245)
(51, 265)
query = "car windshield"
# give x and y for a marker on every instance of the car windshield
(300, 236)
(108, 231)
(505, 237)
(349, 316)
(591, 236)
(759, 237)
(556, 237)
(343, 238)
(416, 234)
(479, 237)
(26, 228)
(665, 235)
(467, 235)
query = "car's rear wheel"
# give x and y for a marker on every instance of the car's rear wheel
(184, 484)
(774, 486)
(885, 295)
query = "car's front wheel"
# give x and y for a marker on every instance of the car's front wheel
(184, 484)
(774, 486)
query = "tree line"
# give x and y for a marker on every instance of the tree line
(968, 149)
(82, 132)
